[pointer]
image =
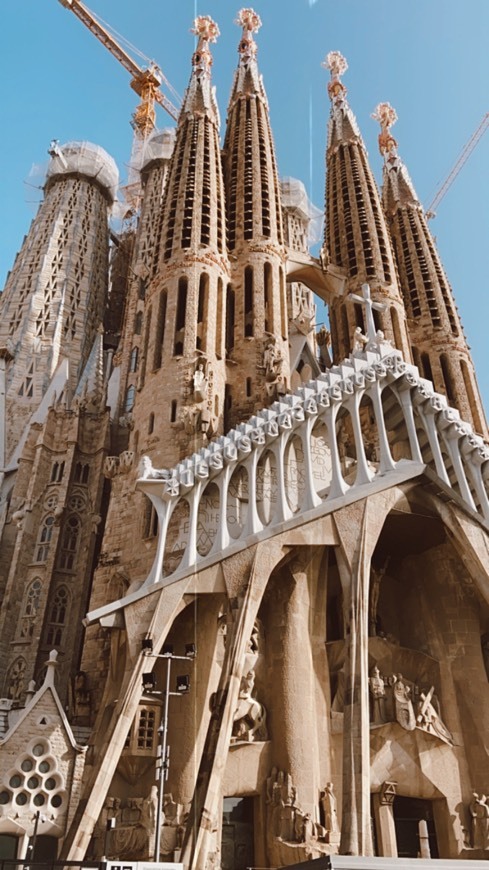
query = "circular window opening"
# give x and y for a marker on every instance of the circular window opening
(15, 780)
(50, 783)
(39, 800)
(4, 797)
(21, 799)
(33, 782)
(56, 800)
(27, 765)
(38, 750)
(44, 766)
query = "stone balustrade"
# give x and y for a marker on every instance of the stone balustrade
(330, 441)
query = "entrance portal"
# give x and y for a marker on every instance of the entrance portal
(408, 812)
(237, 847)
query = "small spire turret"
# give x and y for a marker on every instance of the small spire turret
(199, 96)
(401, 187)
(439, 347)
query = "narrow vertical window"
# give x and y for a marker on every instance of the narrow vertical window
(160, 330)
(151, 424)
(447, 378)
(230, 304)
(268, 294)
(200, 341)
(133, 363)
(426, 366)
(173, 411)
(248, 301)
(220, 303)
(181, 315)
(144, 360)
(283, 304)
(129, 401)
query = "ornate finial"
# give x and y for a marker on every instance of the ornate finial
(250, 21)
(207, 31)
(386, 115)
(337, 65)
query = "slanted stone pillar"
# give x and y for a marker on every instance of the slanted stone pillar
(298, 749)
(354, 566)
(383, 803)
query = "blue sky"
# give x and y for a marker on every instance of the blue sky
(428, 58)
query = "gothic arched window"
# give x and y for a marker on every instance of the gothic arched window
(30, 607)
(69, 542)
(58, 615)
(45, 534)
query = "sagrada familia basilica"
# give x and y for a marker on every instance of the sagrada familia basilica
(201, 489)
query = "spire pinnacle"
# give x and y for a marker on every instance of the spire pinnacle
(207, 31)
(250, 21)
(386, 115)
(337, 65)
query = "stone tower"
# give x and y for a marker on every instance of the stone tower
(438, 344)
(55, 296)
(357, 238)
(256, 306)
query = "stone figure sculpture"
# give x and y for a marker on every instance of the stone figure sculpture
(479, 812)
(403, 704)
(377, 694)
(200, 383)
(328, 803)
(250, 715)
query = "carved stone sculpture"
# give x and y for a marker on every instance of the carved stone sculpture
(250, 715)
(403, 704)
(328, 803)
(272, 361)
(200, 382)
(479, 812)
(136, 839)
(359, 340)
(377, 697)
(429, 719)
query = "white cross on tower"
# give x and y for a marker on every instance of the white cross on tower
(366, 300)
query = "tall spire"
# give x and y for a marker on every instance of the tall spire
(439, 346)
(247, 78)
(182, 334)
(357, 238)
(257, 338)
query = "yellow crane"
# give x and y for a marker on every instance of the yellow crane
(146, 82)
(463, 156)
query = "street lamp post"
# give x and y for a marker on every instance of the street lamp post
(149, 685)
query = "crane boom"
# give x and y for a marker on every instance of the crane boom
(146, 82)
(463, 157)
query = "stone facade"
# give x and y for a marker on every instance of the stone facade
(211, 472)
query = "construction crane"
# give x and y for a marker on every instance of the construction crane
(146, 82)
(463, 157)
